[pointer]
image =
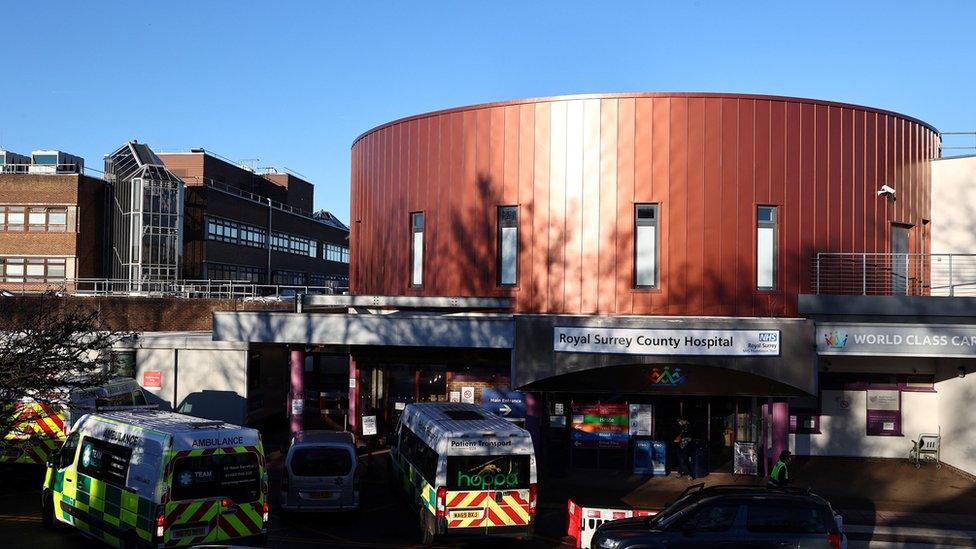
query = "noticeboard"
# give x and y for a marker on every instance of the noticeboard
(745, 458)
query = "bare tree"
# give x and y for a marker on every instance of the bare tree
(49, 347)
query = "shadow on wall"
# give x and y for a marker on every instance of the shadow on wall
(154, 400)
(216, 405)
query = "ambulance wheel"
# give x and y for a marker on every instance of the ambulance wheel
(427, 533)
(47, 511)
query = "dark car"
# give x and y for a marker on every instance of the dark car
(730, 517)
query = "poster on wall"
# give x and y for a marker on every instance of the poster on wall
(883, 413)
(650, 457)
(641, 420)
(745, 458)
(455, 396)
(467, 395)
(604, 426)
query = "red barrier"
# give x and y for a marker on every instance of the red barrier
(583, 521)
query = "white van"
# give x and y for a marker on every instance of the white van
(320, 472)
(468, 472)
(152, 478)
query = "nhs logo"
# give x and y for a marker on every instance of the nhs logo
(768, 337)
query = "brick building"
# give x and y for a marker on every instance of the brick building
(230, 210)
(52, 228)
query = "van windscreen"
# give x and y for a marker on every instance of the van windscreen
(487, 472)
(321, 461)
(131, 398)
(234, 476)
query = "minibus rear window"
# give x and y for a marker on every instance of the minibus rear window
(487, 472)
(132, 398)
(234, 476)
(321, 461)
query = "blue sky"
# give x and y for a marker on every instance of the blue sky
(293, 83)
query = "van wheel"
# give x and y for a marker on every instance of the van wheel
(47, 510)
(427, 533)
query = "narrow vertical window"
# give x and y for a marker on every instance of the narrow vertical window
(645, 246)
(507, 245)
(766, 247)
(417, 249)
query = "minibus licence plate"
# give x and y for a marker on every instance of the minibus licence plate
(465, 514)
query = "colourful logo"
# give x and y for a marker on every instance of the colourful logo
(667, 378)
(834, 339)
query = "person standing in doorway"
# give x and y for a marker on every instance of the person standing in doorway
(780, 475)
(682, 443)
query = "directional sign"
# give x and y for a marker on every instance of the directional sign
(504, 402)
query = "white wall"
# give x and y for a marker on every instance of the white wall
(200, 377)
(954, 223)
(957, 410)
(843, 429)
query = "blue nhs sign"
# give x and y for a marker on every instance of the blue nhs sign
(769, 337)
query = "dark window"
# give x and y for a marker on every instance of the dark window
(321, 462)
(507, 245)
(104, 461)
(234, 476)
(645, 246)
(788, 518)
(421, 455)
(416, 249)
(67, 456)
(766, 247)
(710, 518)
(507, 472)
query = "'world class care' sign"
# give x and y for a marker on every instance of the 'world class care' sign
(633, 341)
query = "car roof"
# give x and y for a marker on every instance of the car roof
(746, 492)
(324, 437)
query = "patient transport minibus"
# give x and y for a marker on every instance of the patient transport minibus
(149, 478)
(466, 471)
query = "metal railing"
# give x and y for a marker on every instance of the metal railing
(187, 289)
(894, 274)
(41, 169)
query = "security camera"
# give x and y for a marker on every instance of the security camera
(886, 191)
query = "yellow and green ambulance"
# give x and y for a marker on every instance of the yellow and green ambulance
(148, 478)
(39, 427)
(468, 473)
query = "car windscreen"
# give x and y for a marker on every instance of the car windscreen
(507, 472)
(234, 476)
(787, 518)
(321, 461)
(131, 398)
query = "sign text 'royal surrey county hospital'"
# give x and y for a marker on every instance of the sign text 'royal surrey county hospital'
(633, 341)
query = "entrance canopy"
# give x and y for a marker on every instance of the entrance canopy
(781, 351)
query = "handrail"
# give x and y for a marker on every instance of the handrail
(885, 273)
(186, 289)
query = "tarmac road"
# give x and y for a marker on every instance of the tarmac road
(383, 522)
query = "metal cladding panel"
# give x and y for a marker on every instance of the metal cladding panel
(576, 167)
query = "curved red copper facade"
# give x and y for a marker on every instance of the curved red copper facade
(576, 166)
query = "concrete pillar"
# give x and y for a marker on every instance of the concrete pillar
(354, 397)
(781, 429)
(296, 394)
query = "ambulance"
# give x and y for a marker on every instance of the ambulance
(467, 472)
(40, 427)
(148, 478)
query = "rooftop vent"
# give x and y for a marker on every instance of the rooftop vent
(50, 162)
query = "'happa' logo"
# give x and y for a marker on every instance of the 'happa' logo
(833, 339)
(667, 378)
